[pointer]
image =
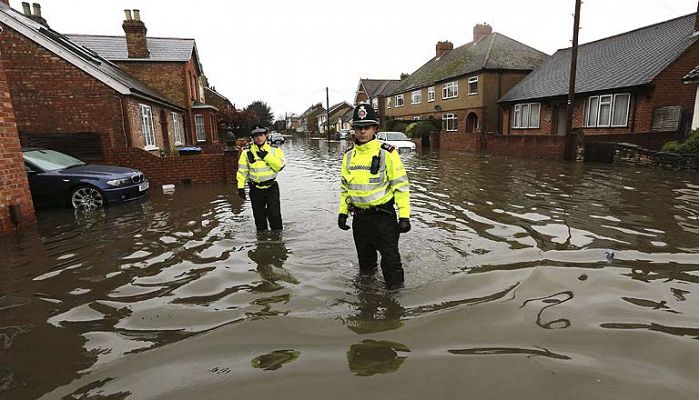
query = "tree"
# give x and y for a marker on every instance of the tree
(263, 113)
(241, 122)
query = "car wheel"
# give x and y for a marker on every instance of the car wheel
(86, 198)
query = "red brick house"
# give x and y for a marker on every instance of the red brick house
(374, 91)
(460, 86)
(170, 66)
(309, 119)
(16, 207)
(68, 98)
(629, 87)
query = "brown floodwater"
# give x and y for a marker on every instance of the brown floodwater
(524, 280)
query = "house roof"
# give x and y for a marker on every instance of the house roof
(310, 110)
(80, 57)
(347, 115)
(493, 51)
(692, 76)
(160, 49)
(626, 60)
(340, 109)
(217, 94)
(374, 87)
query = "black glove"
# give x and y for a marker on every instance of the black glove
(241, 193)
(262, 153)
(403, 225)
(342, 222)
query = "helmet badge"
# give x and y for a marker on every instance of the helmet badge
(362, 112)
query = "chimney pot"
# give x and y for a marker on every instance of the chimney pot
(37, 10)
(27, 9)
(136, 41)
(127, 15)
(136, 15)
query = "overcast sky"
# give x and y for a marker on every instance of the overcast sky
(286, 52)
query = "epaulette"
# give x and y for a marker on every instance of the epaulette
(387, 147)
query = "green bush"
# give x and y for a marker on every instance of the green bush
(689, 146)
(417, 129)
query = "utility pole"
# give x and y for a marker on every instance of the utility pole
(570, 145)
(327, 113)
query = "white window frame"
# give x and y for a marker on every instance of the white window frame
(375, 103)
(201, 134)
(446, 118)
(177, 128)
(522, 116)
(430, 94)
(416, 97)
(148, 127)
(388, 102)
(399, 100)
(473, 79)
(594, 122)
(450, 90)
(416, 118)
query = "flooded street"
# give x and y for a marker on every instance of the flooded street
(524, 279)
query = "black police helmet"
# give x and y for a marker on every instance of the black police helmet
(364, 115)
(258, 131)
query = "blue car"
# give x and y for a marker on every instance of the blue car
(59, 179)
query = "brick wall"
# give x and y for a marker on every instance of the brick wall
(14, 187)
(525, 146)
(167, 78)
(201, 168)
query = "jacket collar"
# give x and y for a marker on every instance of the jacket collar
(369, 146)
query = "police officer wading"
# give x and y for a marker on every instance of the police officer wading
(259, 165)
(373, 181)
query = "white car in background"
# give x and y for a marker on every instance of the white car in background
(397, 140)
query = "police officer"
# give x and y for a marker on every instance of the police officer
(373, 181)
(259, 165)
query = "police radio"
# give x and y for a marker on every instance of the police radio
(375, 165)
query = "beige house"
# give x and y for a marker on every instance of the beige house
(461, 86)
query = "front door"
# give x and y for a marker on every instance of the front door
(561, 120)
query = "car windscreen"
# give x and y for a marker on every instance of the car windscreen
(395, 136)
(49, 160)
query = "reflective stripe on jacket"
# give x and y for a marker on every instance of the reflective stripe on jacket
(260, 170)
(360, 188)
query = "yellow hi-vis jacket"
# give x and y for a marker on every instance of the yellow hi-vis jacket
(260, 170)
(362, 189)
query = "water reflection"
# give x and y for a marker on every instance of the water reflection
(275, 359)
(376, 310)
(370, 357)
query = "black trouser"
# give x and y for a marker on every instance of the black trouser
(374, 231)
(265, 205)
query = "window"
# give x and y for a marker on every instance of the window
(606, 110)
(148, 131)
(375, 103)
(450, 90)
(526, 116)
(177, 128)
(473, 85)
(399, 100)
(430, 93)
(449, 122)
(416, 97)
(388, 102)
(199, 124)
(417, 117)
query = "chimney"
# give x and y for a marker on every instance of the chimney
(444, 47)
(403, 75)
(481, 30)
(135, 31)
(35, 16)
